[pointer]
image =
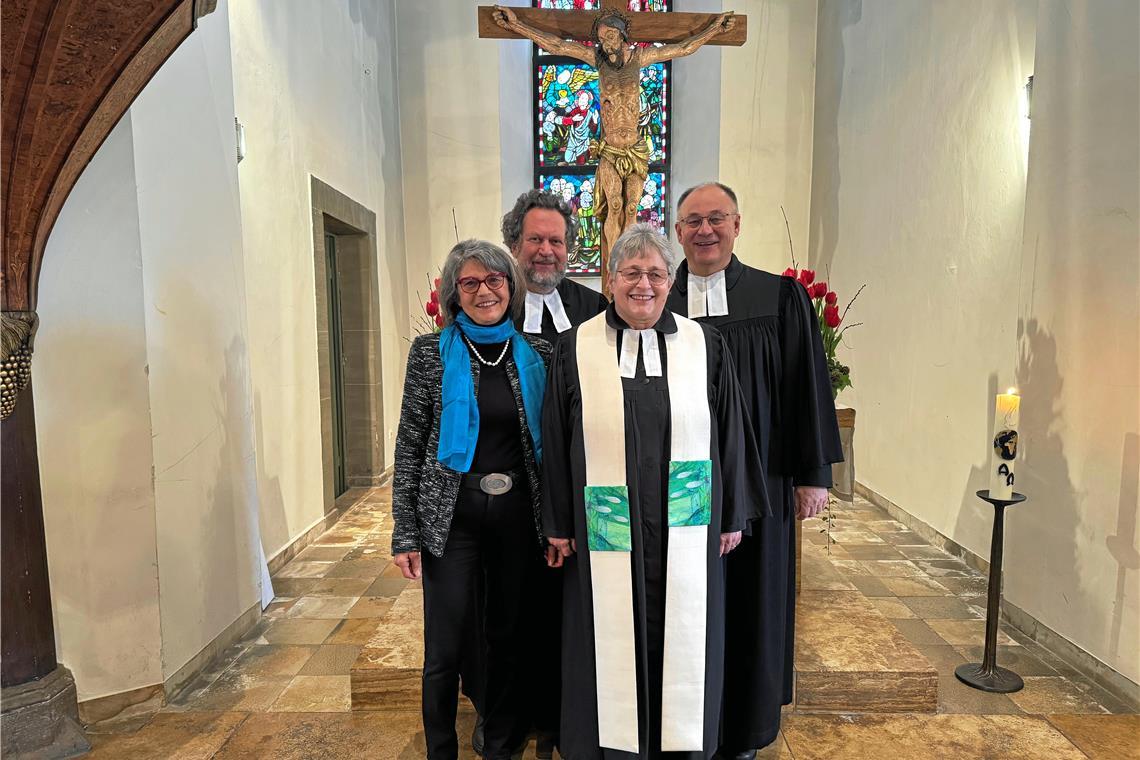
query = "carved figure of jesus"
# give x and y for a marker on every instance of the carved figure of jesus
(622, 153)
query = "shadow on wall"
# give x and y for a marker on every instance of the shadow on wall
(828, 98)
(271, 511)
(1121, 545)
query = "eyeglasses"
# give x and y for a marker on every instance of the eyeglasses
(494, 281)
(633, 276)
(715, 219)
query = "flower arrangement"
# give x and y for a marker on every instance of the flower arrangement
(831, 327)
(433, 321)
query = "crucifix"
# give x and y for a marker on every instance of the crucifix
(622, 152)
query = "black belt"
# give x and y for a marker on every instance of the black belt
(492, 483)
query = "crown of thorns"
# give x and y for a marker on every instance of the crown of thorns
(614, 19)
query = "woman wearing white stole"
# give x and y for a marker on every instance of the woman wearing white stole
(650, 473)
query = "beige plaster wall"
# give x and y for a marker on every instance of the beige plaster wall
(94, 432)
(205, 485)
(315, 88)
(919, 189)
(765, 131)
(1072, 559)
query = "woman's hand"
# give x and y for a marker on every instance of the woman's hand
(558, 550)
(729, 541)
(409, 564)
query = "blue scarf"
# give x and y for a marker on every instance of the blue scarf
(459, 422)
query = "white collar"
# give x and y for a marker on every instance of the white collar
(646, 340)
(708, 296)
(532, 321)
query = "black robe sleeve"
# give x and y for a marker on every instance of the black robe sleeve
(744, 492)
(809, 431)
(557, 479)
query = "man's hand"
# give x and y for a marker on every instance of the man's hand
(810, 501)
(409, 564)
(504, 17)
(726, 22)
(729, 541)
(559, 550)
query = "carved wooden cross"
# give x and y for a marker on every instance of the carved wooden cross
(647, 26)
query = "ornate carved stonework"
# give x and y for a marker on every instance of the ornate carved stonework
(17, 332)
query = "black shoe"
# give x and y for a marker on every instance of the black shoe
(477, 735)
(748, 754)
(544, 745)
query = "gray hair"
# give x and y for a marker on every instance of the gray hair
(723, 187)
(640, 239)
(494, 259)
(513, 220)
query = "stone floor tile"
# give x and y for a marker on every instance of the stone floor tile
(332, 660)
(304, 736)
(871, 587)
(323, 553)
(939, 607)
(777, 750)
(946, 568)
(915, 587)
(388, 587)
(851, 567)
(904, 538)
(339, 587)
(967, 632)
(186, 736)
(291, 588)
(1014, 658)
(976, 586)
(872, 551)
(925, 737)
(956, 697)
(273, 660)
(892, 568)
(301, 569)
(236, 691)
(358, 631)
(1047, 695)
(923, 552)
(885, 526)
(298, 631)
(1102, 737)
(891, 607)
(309, 694)
(358, 568)
(370, 607)
(918, 632)
(942, 656)
(311, 607)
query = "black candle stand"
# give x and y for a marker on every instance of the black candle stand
(986, 675)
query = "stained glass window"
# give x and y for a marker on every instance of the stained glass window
(568, 120)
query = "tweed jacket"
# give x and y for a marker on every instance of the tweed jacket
(424, 490)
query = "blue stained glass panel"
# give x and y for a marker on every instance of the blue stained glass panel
(568, 114)
(569, 5)
(578, 191)
(652, 124)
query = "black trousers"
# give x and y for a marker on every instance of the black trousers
(492, 540)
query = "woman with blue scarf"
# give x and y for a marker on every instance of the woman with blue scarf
(465, 497)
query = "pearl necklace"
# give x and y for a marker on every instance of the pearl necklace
(479, 356)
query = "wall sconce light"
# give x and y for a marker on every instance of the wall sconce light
(1029, 98)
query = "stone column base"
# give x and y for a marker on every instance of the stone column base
(41, 718)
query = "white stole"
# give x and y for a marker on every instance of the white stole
(607, 506)
(532, 318)
(708, 296)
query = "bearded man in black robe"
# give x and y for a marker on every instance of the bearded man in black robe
(772, 335)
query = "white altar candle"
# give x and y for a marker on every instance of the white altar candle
(1007, 411)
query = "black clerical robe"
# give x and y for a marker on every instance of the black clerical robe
(773, 337)
(738, 496)
(580, 303)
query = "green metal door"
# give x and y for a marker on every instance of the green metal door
(336, 364)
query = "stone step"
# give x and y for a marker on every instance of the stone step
(387, 673)
(849, 657)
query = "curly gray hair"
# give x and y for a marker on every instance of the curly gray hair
(638, 240)
(494, 259)
(513, 220)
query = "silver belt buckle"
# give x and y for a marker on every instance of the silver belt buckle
(495, 483)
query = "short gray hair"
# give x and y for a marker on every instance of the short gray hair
(640, 239)
(513, 220)
(494, 259)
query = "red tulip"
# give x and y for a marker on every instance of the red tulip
(819, 290)
(831, 298)
(789, 272)
(435, 296)
(831, 316)
(807, 277)
(437, 281)
(432, 308)
(439, 320)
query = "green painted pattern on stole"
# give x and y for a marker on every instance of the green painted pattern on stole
(607, 518)
(690, 493)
